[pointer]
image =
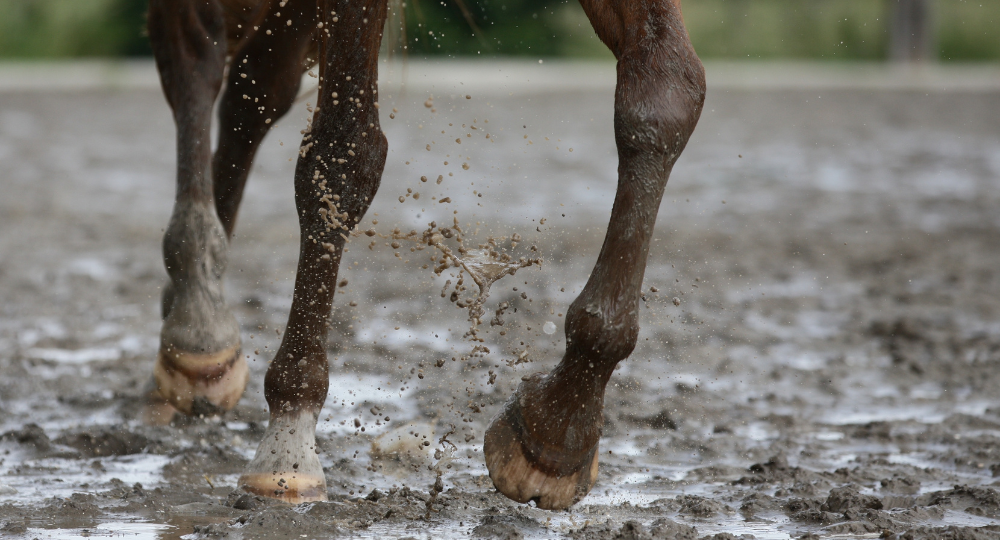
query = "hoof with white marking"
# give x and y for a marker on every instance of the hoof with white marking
(286, 466)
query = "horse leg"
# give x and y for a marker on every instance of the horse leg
(199, 368)
(543, 445)
(338, 172)
(264, 78)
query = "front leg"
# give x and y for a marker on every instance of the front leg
(338, 172)
(543, 445)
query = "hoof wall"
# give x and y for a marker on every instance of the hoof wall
(292, 488)
(194, 383)
(286, 466)
(518, 474)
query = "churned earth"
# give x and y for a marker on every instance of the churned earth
(820, 344)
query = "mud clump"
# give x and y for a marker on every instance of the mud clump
(775, 469)
(991, 532)
(14, 520)
(756, 503)
(504, 527)
(975, 500)
(276, 521)
(693, 505)
(854, 528)
(666, 528)
(633, 530)
(77, 505)
(138, 500)
(881, 431)
(241, 500)
(192, 465)
(12, 526)
(809, 511)
(398, 505)
(848, 498)
(901, 485)
(114, 441)
(31, 435)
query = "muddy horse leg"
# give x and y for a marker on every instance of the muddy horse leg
(543, 445)
(337, 175)
(199, 368)
(264, 78)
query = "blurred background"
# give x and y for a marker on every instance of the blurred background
(870, 30)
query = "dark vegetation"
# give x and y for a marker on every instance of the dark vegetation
(728, 29)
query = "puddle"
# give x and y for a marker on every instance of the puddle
(79, 356)
(37, 479)
(109, 529)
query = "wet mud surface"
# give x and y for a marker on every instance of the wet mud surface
(819, 354)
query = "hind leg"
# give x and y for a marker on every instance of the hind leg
(264, 77)
(263, 81)
(199, 368)
(543, 445)
(337, 175)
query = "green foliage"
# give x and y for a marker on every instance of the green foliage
(72, 28)
(538, 28)
(968, 30)
(827, 29)
(802, 29)
(735, 29)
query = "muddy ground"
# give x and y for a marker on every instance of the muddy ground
(831, 370)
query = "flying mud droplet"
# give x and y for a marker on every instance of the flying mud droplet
(549, 327)
(485, 270)
(677, 301)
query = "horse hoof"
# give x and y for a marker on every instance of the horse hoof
(194, 383)
(289, 486)
(525, 469)
(286, 466)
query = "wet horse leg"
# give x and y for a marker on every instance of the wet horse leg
(543, 445)
(267, 70)
(264, 78)
(199, 368)
(338, 172)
